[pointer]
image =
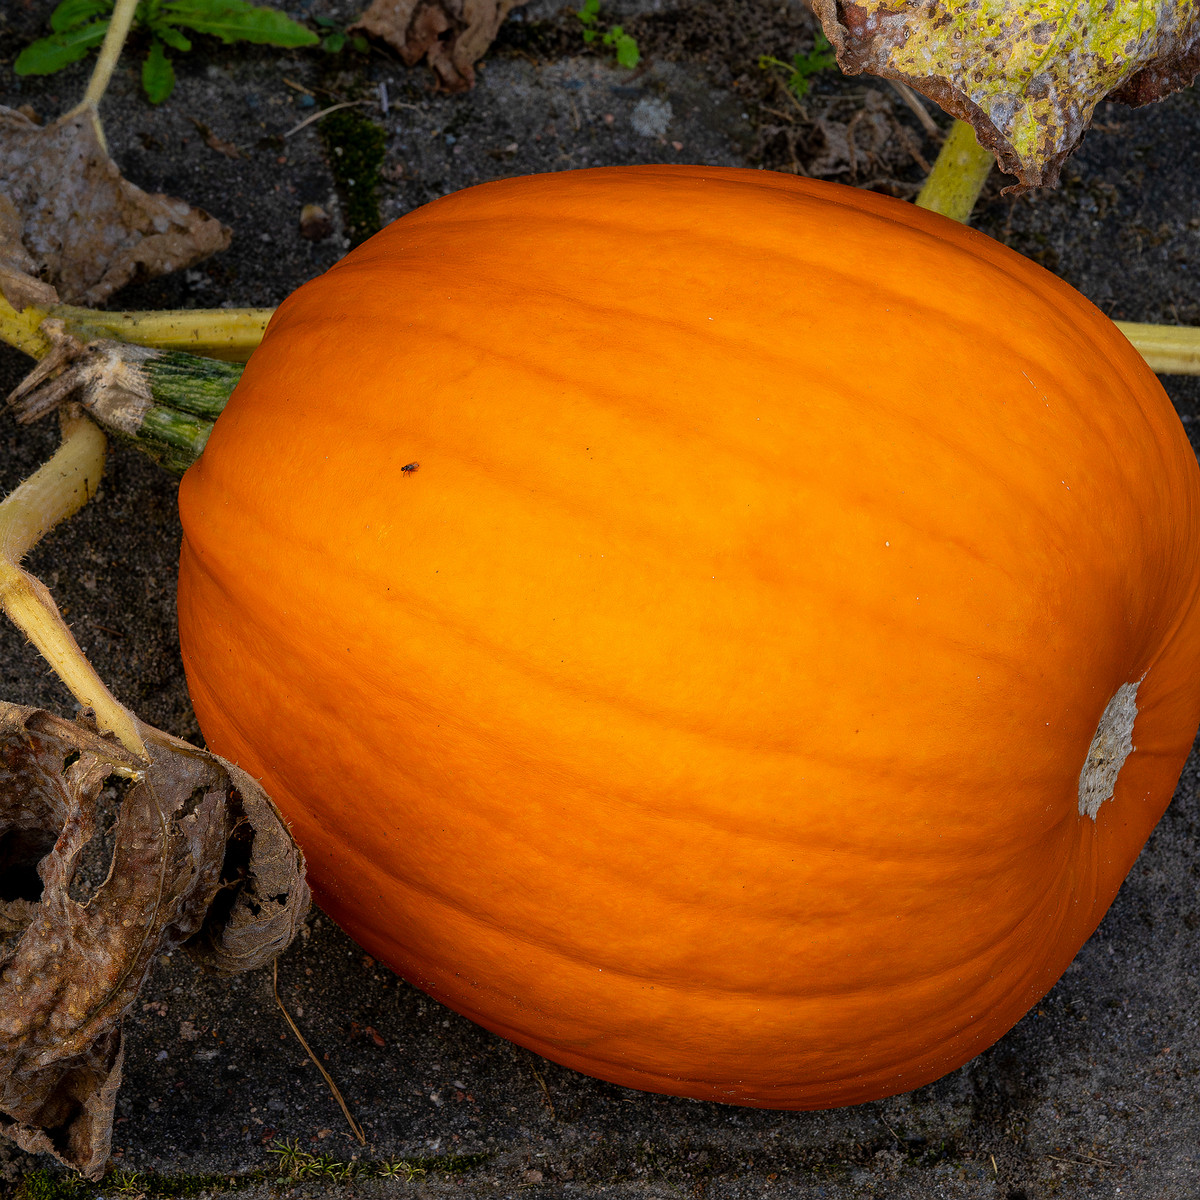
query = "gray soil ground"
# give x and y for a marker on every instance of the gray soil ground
(1093, 1094)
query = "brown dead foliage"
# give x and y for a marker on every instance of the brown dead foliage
(200, 856)
(453, 35)
(72, 228)
(866, 140)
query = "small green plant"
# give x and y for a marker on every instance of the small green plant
(336, 37)
(297, 1163)
(803, 66)
(79, 26)
(290, 1158)
(628, 54)
(400, 1168)
(41, 1185)
(293, 1162)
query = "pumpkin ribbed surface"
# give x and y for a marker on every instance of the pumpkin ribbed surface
(708, 711)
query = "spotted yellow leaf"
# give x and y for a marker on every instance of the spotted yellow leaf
(1027, 76)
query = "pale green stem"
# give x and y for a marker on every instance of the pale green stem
(226, 333)
(958, 175)
(106, 64)
(61, 487)
(110, 51)
(1169, 349)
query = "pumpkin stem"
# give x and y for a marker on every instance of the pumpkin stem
(55, 491)
(958, 175)
(163, 401)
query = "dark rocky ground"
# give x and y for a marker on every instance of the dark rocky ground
(1094, 1094)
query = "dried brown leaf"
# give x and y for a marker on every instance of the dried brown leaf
(852, 147)
(453, 34)
(259, 910)
(1027, 74)
(70, 221)
(213, 142)
(198, 848)
(18, 270)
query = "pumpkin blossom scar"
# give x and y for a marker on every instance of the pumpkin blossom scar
(1111, 745)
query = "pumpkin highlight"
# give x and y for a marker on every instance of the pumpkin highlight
(716, 711)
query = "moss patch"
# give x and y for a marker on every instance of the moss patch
(43, 1185)
(354, 146)
(292, 1164)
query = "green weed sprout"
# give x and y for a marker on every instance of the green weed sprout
(400, 1168)
(80, 25)
(337, 38)
(804, 66)
(628, 54)
(297, 1163)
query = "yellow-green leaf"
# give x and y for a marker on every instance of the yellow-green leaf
(1027, 76)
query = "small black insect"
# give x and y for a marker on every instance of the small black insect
(409, 468)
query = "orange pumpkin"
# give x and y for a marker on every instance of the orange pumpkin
(777, 662)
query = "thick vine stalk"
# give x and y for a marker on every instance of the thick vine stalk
(57, 490)
(225, 333)
(962, 166)
(1168, 349)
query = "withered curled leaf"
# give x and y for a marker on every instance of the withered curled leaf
(198, 849)
(72, 228)
(264, 898)
(453, 34)
(1027, 74)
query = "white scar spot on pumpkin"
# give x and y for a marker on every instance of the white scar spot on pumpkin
(1111, 746)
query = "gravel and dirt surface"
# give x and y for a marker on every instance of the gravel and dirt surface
(1093, 1094)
